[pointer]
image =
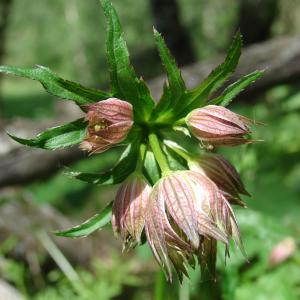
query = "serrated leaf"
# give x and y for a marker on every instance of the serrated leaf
(198, 96)
(124, 82)
(175, 88)
(234, 89)
(57, 137)
(91, 225)
(57, 86)
(118, 173)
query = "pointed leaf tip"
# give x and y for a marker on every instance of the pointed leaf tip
(198, 96)
(56, 137)
(91, 225)
(124, 81)
(58, 86)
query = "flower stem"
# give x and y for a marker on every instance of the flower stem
(140, 162)
(159, 155)
(184, 290)
(160, 286)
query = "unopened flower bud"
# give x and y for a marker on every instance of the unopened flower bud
(223, 174)
(109, 122)
(216, 125)
(129, 209)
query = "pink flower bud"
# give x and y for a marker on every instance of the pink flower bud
(109, 122)
(282, 251)
(184, 210)
(129, 209)
(216, 125)
(223, 174)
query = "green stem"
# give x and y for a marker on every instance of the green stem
(184, 290)
(160, 286)
(140, 162)
(158, 153)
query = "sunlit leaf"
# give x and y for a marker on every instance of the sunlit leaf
(57, 86)
(175, 88)
(91, 225)
(124, 82)
(234, 89)
(151, 167)
(57, 137)
(198, 96)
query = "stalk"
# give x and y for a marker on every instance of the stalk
(140, 162)
(160, 286)
(158, 153)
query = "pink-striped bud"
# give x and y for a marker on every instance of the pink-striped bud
(109, 122)
(129, 209)
(223, 174)
(216, 125)
(185, 209)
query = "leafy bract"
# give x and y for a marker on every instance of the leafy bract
(91, 225)
(175, 88)
(118, 173)
(57, 86)
(198, 96)
(234, 89)
(124, 82)
(175, 161)
(57, 137)
(152, 170)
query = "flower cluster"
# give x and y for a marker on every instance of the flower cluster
(186, 212)
(180, 204)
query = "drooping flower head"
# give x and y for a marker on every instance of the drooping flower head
(222, 173)
(216, 125)
(129, 209)
(185, 210)
(109, 122)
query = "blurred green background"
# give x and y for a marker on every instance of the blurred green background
(69, 37)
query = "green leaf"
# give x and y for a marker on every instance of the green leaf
(91, 225)
(152, 170)
(117, 174)
(57, 86)
(174, 90)
(181, 141)
(175, 161)
(234, 89)
(57, 137)
(124, 82)
(198, 96)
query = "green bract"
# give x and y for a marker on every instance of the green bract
(157, 127)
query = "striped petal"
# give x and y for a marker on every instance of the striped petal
(217, 125)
